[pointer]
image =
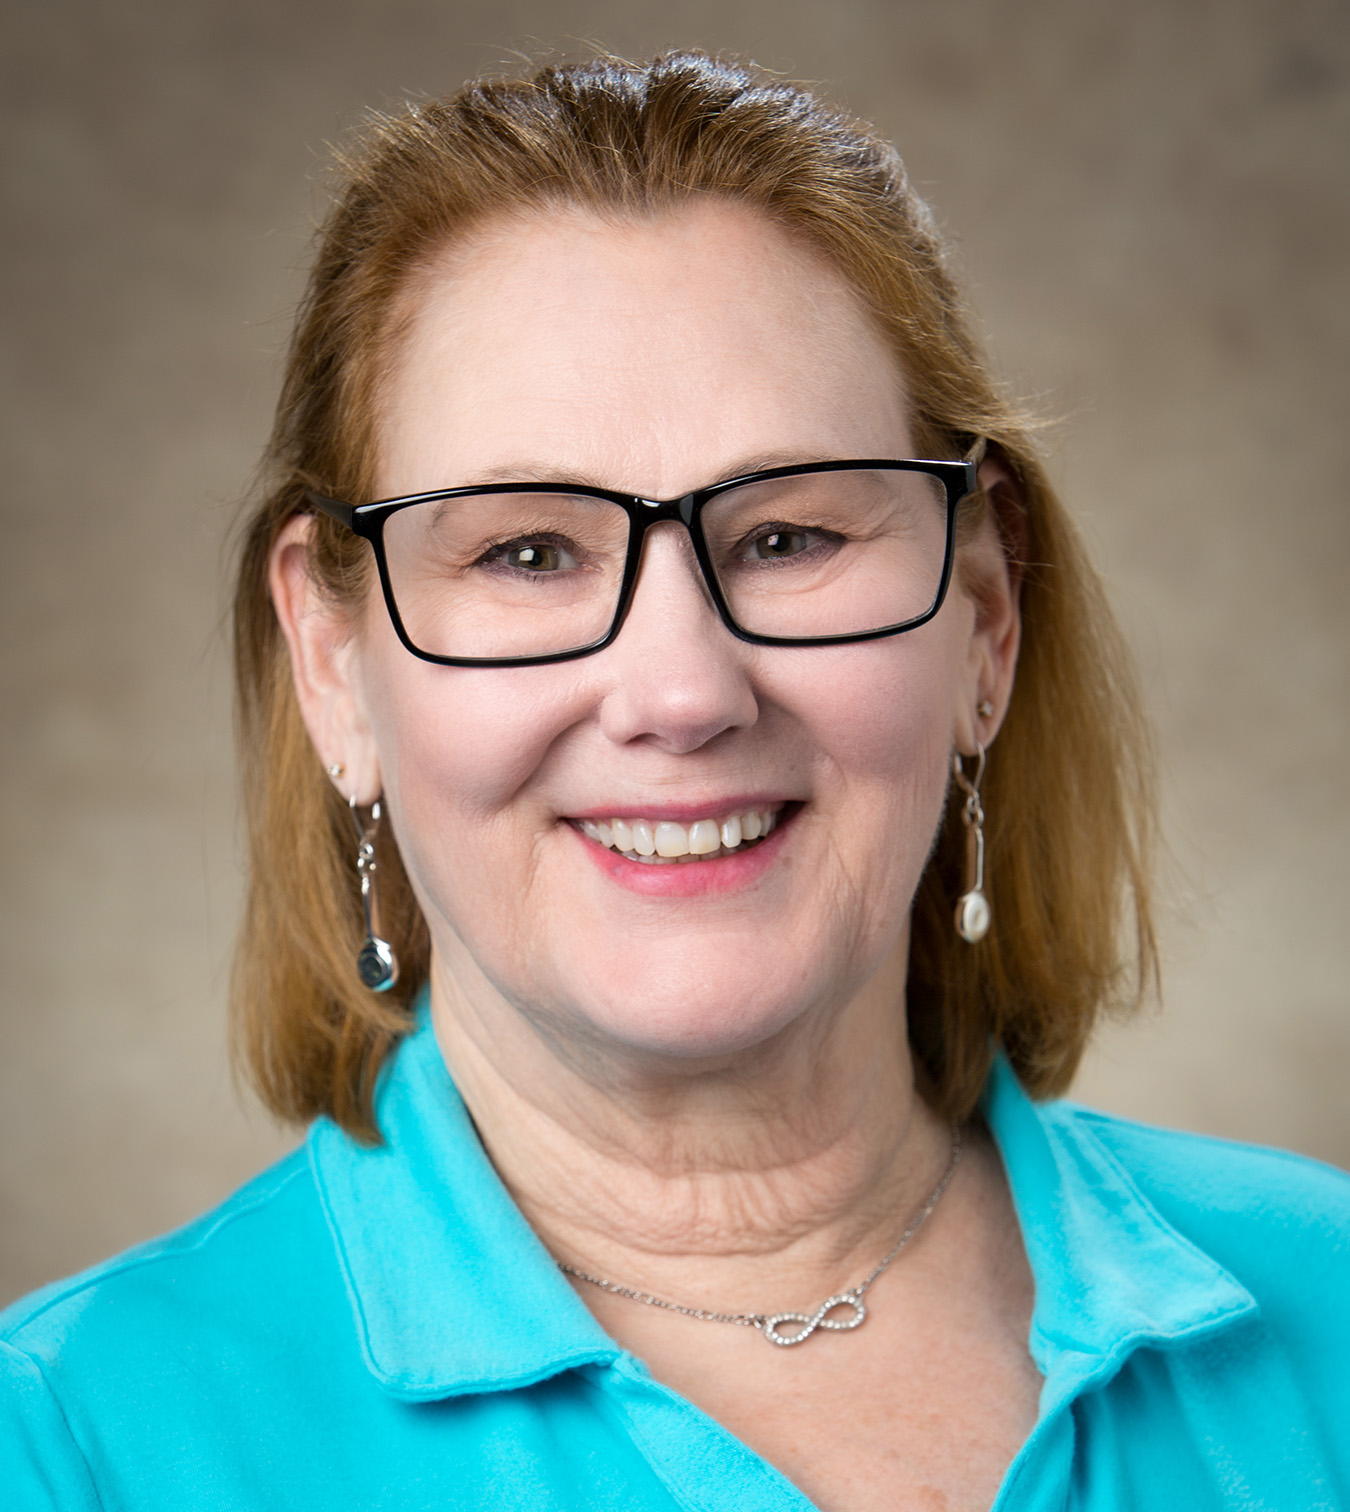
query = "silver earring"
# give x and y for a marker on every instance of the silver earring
(972, 907)
(984, 708)
(337, 770)
(376, 963)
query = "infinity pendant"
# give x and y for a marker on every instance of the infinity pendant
(818, 1319)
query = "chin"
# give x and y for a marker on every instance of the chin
(703, 1010)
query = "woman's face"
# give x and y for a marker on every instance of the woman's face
(656, 357)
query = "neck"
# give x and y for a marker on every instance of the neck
(772, 1174)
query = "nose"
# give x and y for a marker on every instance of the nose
(677, 677)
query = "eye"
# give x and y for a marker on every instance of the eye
(778, 543)
(536, 556)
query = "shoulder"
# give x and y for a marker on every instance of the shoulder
(1222, 1177)
(219, 1253)
(137, 1334)
(211, 1334)
(1279, 1222)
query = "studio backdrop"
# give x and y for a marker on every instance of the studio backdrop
(1150, 206)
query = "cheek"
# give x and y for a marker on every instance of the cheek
(882, 713)
(883, 722)
(472, 736)
(458, 749)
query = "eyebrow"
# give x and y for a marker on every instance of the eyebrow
(535, 472)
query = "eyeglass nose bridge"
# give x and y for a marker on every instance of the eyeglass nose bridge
(681, 509)
(644, 513)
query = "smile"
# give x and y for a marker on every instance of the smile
(665, 843)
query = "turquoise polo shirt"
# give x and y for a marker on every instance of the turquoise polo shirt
(380, 1328)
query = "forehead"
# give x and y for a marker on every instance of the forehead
(650, 354)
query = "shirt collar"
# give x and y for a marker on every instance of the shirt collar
(1111, 1273)
(452, 1291)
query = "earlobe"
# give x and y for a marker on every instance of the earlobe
(992, 662)
(321, 641)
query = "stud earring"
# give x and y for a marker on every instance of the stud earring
(972, 907)
(337, 770)
(984, 708)
(376, 963)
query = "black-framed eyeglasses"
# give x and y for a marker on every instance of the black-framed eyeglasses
(517, 574)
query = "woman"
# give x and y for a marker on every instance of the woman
(665, 907)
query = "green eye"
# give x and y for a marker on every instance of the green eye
(539, 556)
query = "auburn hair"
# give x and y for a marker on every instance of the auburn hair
(1068, 788)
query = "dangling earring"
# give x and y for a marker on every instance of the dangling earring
(376, 963)
(972, 907)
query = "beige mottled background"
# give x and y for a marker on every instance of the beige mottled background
(1151, 203)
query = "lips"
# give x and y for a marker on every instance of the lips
(664, 842)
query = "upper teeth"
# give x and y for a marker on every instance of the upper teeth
(663, 840)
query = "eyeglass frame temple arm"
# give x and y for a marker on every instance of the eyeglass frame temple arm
(335, 509)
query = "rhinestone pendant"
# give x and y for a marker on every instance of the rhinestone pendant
(818, 1319)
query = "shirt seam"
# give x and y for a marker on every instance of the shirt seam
(56, 1401)
(162, 1252)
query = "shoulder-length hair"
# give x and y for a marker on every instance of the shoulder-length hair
(1068, 789)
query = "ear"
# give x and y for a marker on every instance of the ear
(321, 638)
(991, 574)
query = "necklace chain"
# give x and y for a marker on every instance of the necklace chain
(770, 1324)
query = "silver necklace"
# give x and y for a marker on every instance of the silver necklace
(770, 1324)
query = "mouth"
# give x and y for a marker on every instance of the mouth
(663, 842)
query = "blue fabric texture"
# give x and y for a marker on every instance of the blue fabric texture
(380, 1328)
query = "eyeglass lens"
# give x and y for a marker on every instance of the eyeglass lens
(533, 574)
